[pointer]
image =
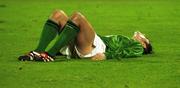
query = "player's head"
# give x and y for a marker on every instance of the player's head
(138, 36)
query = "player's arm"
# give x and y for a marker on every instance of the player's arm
(99, 57)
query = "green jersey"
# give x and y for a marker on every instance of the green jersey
(119, 46)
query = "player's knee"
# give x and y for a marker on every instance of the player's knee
(77, 17)
(58, 15)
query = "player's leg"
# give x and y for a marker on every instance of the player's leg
(85, 37)
(77, 28)
(53, 25)
(68, 34)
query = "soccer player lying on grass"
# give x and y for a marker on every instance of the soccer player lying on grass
(77, 39)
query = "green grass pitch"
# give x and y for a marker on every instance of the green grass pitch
(21, 22)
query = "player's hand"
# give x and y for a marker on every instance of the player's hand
(99, 57)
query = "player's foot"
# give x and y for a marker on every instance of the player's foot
(44, 56)
(35, 56)
(138, 36)
(28, 57)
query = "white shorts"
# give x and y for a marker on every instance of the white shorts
(100, 47)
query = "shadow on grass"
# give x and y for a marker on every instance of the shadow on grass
(151, 58)
(2, 21)
(3, 6)
(64, 59)
(143, 59)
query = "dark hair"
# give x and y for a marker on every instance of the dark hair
(148, 49)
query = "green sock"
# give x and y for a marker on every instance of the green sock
(67, 35)
(49, 32)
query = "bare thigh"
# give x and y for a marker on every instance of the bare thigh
(85, 37)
